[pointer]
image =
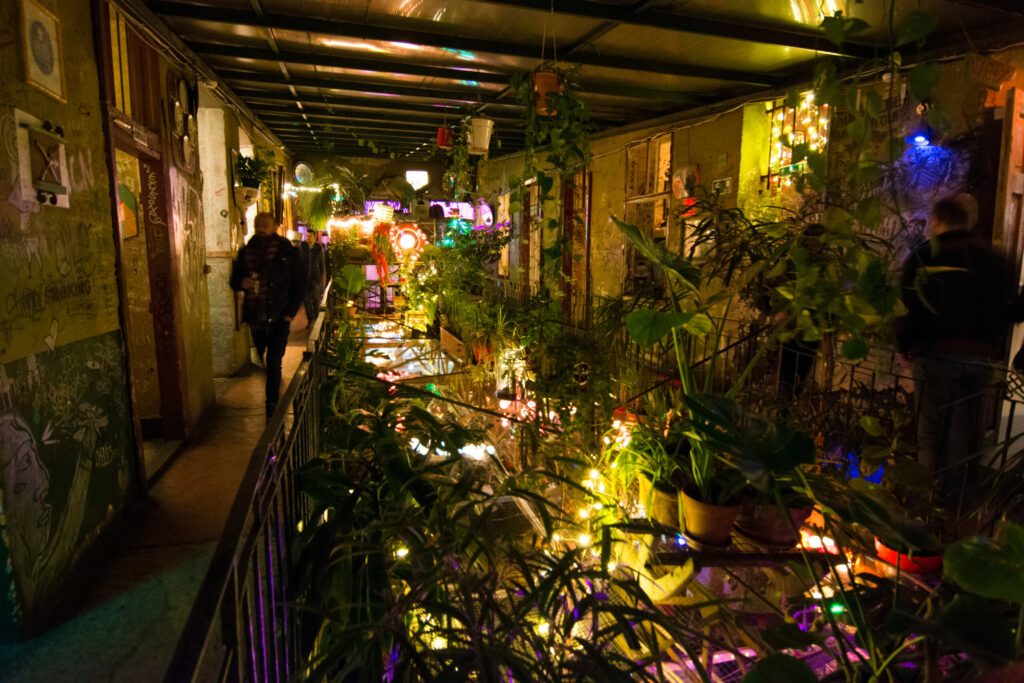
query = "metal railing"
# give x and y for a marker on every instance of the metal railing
(240, 627)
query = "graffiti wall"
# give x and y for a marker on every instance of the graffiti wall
(66, 464)
(189, 246)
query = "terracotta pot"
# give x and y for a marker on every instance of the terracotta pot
(919, 563)
(769, 523)
(662, 506)
(705, 522)
(546, 83)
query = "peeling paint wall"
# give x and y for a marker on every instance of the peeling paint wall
(225, 232)
(66, 457)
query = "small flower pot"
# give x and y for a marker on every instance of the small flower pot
(546, 83)
(480, 131)
(710, 524)
(917, 563)
(662, 506)
(772, 525)
(246, 196)
(444, 137)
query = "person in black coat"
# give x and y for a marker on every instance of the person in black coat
(955, 290)
(267, 269)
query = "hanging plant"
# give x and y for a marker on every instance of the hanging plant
(255, 170)
(547, 84)
(558, 124)
(458, 179)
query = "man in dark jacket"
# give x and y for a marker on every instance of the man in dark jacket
(954, 288)
(314, 264)
(267, 270)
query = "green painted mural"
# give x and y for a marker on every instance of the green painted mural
(66, 456)
(64, 429)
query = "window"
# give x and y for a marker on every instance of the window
(648, 196)
(418, 179)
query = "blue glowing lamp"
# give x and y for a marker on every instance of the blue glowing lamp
(922, 135)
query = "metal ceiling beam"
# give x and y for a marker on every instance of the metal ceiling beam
(370, 116)
(370, 106)
(345, 62)
(319, 99)
(348, 118)
(749, 31)
(378, 133)
(405, 34)
(1010, 6)
(318, 59)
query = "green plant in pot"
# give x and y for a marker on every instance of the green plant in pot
(643, 455)
(255, 170)
(766, 454)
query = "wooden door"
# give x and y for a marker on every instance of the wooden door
(1008, 231)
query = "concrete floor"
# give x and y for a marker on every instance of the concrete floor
(129, 624)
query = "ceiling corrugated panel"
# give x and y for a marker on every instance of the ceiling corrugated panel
(412, 62)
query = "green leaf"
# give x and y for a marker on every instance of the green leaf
(923, 78)
(832, 27)
(915, 26)
(989, 568)
(648, 326)
(855, 349)
(871, 425)
(699, 325)
(911, 474)
(873, 104)
(780, 668)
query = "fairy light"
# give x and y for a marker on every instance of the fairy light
(401, 552)
(805, 124)
(584, 540)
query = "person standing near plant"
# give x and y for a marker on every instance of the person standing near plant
(313, 257)
(954, 287)
(267, 270)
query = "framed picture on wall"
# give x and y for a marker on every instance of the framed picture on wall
(43, 52)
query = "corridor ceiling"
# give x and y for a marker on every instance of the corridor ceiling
(323, 74)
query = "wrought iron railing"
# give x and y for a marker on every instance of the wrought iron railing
(240, 627)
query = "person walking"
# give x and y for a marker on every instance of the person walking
(954, 288)
(267, 270)
(314, 260)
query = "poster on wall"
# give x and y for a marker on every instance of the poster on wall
(43, 54)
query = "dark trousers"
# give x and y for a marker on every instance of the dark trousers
(312, 303)
(951, 397)
(271, 341)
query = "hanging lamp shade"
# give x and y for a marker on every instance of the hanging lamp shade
(480, 130)
(444, 137)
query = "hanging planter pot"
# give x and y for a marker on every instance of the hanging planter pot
(546, 83)
(246, 196)
(444, 137)
(480, 130)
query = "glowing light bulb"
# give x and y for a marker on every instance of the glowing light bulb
(401, 552)
(584, 540)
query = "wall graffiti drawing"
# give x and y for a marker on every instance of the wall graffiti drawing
(65, 460)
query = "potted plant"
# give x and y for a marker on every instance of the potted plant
(642, 454)
(251, 173)
(547, 83)
(480, 130)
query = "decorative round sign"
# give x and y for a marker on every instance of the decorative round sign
(303, 173)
